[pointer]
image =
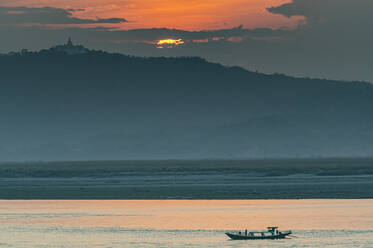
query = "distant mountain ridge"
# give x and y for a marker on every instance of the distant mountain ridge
(58, 104)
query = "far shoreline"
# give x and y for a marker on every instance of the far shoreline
(189, 180)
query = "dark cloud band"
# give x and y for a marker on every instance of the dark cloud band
(47, 15)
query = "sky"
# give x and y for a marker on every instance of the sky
(311, 38)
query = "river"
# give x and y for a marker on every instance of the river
(183, 223)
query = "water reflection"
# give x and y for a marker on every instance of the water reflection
(191, 214)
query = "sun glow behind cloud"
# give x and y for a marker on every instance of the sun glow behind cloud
(169, 43)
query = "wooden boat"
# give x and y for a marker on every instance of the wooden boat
(272, 232)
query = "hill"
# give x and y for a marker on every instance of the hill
(87, 105)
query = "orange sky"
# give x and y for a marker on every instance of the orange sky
(187, 15)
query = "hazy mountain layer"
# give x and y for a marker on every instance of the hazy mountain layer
(97, 105)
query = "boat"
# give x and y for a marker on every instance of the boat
(272, 232)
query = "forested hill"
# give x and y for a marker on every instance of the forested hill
(96, 105)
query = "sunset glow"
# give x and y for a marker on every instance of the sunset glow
(191, 15)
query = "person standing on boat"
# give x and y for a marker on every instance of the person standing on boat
(246, 232)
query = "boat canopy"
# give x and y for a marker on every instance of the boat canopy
(272, 227)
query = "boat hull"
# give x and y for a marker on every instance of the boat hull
(243, 237)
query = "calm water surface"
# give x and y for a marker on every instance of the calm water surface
(183, 223)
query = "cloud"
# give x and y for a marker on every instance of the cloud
(291, 9)
(47, 15)
(341, 27)
(339, 12)
(154, 34)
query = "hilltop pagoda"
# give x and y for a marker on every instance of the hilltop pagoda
(70, 48)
